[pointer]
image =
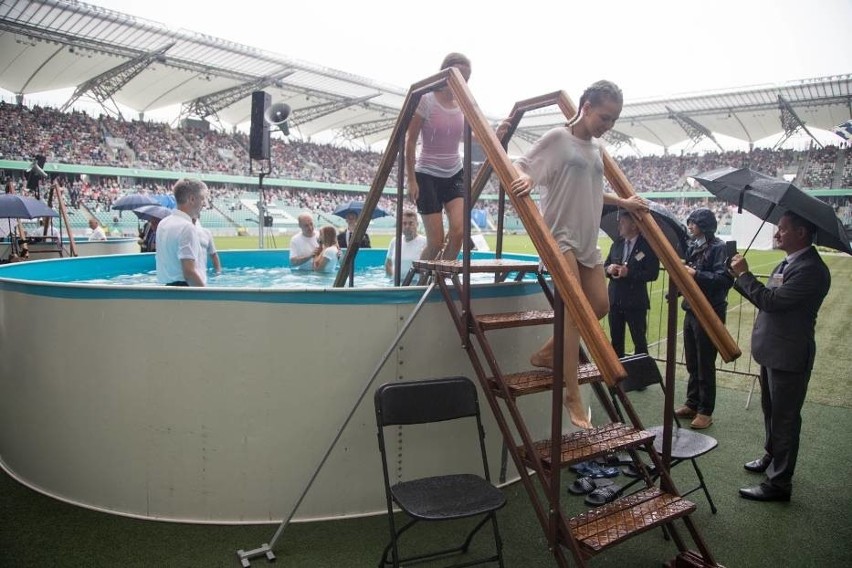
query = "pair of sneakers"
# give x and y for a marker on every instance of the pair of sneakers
(699, 421)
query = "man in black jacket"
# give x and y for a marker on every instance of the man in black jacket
(782, 342)
(343, 237)
(629, 266)
(705, 262)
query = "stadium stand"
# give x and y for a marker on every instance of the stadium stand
(158, 153)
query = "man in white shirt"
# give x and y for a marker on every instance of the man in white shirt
(98, 233)
(304, 245)
(412, 245)
(181, 260)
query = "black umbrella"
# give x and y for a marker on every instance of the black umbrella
(21, 207)
(152, 212)
(673, 229)
(133, 201)
(769, 198)
(356, 207)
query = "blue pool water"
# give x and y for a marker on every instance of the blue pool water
(256, 277)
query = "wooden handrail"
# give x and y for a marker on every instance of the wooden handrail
(566, 284)
(710, 322)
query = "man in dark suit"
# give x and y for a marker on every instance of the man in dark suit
(782, 342)
(629, 266)
(343, 237)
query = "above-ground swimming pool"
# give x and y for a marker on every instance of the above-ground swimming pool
(216, 405)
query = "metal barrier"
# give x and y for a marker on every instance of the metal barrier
(739, 322)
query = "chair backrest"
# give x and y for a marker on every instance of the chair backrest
(642, 371)
(424, 401)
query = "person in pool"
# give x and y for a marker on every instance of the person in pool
(328, 257)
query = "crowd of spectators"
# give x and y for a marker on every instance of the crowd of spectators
(77, 138)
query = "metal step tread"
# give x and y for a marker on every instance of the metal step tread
(495, 265)
(514, 319)
(628, 516)
(540, 380)
(584, 445)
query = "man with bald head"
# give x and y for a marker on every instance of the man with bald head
(303, 245)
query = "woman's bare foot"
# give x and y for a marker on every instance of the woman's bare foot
(539, 360)
(577, 413)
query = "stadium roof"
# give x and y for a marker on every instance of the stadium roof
(143, 65)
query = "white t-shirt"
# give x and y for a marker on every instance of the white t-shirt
(205, 238)
(300, 245)
(98, 234)
(411, 251)
(332, 255)
(178, 239)
(569, 173)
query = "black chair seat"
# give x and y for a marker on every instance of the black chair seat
(447, 497)
(686, 444)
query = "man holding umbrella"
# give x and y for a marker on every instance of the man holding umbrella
(345, 237)
(783, 343)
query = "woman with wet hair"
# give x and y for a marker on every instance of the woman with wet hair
(566, 164)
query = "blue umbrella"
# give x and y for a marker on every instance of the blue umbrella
(166, 200)
(14, 206)
(356, 207)
(133, 201)
(152, 212)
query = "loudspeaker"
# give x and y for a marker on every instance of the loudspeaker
(267, 220)
(259, 133)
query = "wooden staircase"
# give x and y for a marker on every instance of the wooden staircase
(540, 462)
(590, 533)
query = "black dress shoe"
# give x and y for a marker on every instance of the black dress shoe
(764, 493)
(758, 465)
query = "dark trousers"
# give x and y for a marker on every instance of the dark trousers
(637, 321)
(700, 354)
(782, 395)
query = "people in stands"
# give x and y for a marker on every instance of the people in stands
(345, 237)
(304, 245)
(629, 266)
(97, 233)
(328, 257)
(181, 261)
(567, 165)
(705, 262)
(412, 245)
(435, 173)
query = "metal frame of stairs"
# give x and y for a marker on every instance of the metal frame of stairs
(581, 537)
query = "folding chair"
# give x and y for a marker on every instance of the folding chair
(442, 497)
(687, 445)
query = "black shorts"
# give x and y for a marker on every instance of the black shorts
(435, 191)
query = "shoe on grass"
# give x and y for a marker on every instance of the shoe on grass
(685, 412)
(701, 421)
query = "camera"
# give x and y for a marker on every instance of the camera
(730, 251)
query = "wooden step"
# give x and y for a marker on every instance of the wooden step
(584, 445)
(628, 516)
(493, 266)
(514, 319)
(541, 380)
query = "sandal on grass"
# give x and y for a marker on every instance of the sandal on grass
(603, 495)
(585, 485)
